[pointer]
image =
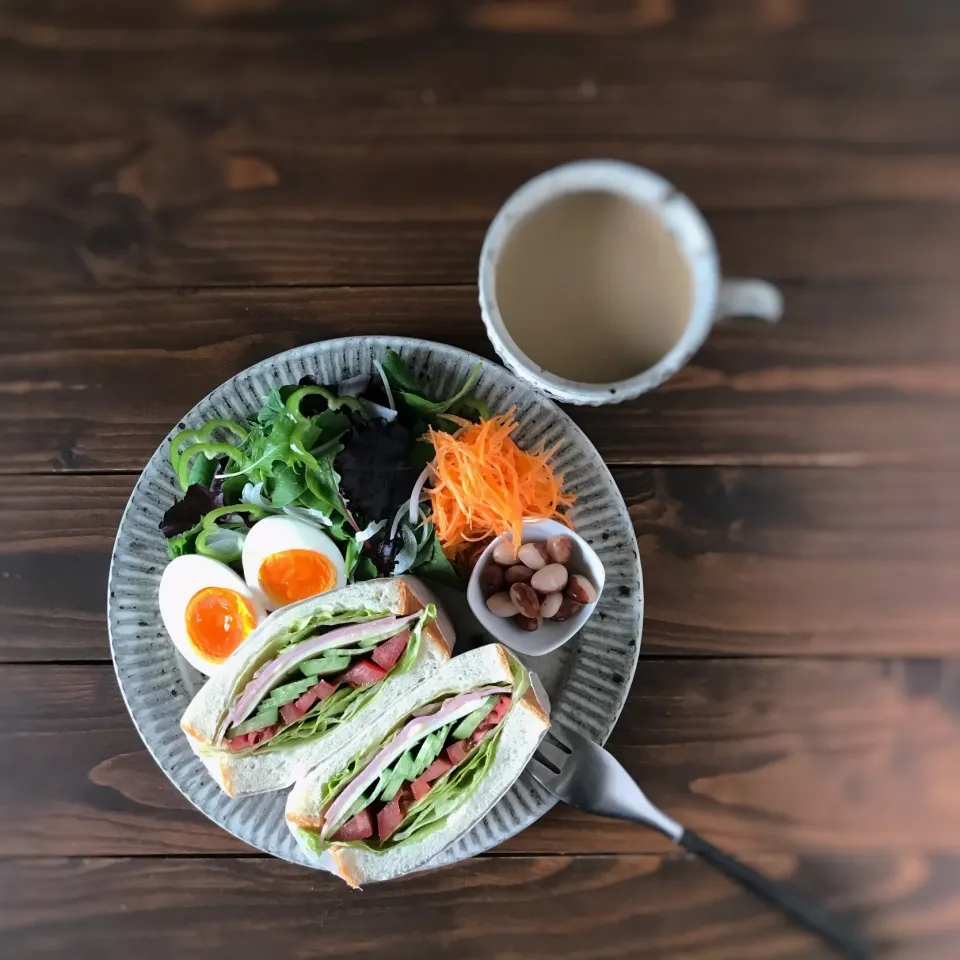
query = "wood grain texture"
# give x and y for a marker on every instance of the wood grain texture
(187, 188)
(94, 382)
(760, 756)
(572, 908)
(264, 143)
(744, 561)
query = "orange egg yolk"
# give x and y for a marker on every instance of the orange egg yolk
(218, 620)
(293, 575)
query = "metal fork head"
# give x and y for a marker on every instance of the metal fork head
(582, 774)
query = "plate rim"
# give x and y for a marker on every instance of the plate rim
(395, 342)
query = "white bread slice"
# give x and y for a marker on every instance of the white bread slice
(243, 774)
(521, 732)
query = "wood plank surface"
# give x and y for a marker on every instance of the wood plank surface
(761, 756)
(95, 382)
(239, 143)
(761, 561)
(187, 188)
(575, 908)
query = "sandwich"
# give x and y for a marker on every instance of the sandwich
(425, 771)
(304, 683)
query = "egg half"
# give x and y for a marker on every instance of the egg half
(286, 560)
(207, 609)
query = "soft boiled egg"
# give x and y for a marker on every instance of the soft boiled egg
(286, 560)
(207, 609)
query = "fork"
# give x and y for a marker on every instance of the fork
(584, 775)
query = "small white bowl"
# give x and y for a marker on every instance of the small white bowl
(552, 633)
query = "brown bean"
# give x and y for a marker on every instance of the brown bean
(549, 579)
(525, 599)
(534, 555)
(581, 589)
(501, 605)
(474, 553)
(568, 608)
(527, 623)
(490, 579)
(560, 549)
(504, 553)
(550, 605)
(518, 573)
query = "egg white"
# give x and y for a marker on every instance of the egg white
(276, 534)
(181, 580)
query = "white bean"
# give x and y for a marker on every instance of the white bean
(550, 605)
(549, 579)
(501, 605)
(504, 554)
(560, 549)
(534, 555)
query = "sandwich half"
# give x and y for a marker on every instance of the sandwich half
(304, 683)
(424, 774)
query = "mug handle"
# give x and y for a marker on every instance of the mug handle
(755, 299)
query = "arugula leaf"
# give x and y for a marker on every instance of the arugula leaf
(231, 489)
(399, 374)
(273, 409)
(202, 471)
(331, 424)
(264, 450)
(287, 485)
(430, 409)
(324, 482)
(433, 565)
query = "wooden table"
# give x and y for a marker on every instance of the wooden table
(188, 187)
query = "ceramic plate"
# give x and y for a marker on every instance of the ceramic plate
(587, 679)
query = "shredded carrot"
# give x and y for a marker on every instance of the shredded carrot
(485, 486)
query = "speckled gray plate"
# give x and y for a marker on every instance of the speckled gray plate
(587, 679)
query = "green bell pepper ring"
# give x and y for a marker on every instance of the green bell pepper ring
(209, 450)
(202, 435)
(292, 405)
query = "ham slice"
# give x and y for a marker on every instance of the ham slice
(389, 652)
(272, 672)
(356, 828)
(363, 673)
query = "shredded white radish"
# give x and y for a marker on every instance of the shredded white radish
(386, 384)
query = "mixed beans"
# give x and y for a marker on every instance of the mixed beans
(533, 583)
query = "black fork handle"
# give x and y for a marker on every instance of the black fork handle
(843, 938)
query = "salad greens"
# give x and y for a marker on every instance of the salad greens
(344, 457)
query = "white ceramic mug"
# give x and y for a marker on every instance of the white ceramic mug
(714, 298)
